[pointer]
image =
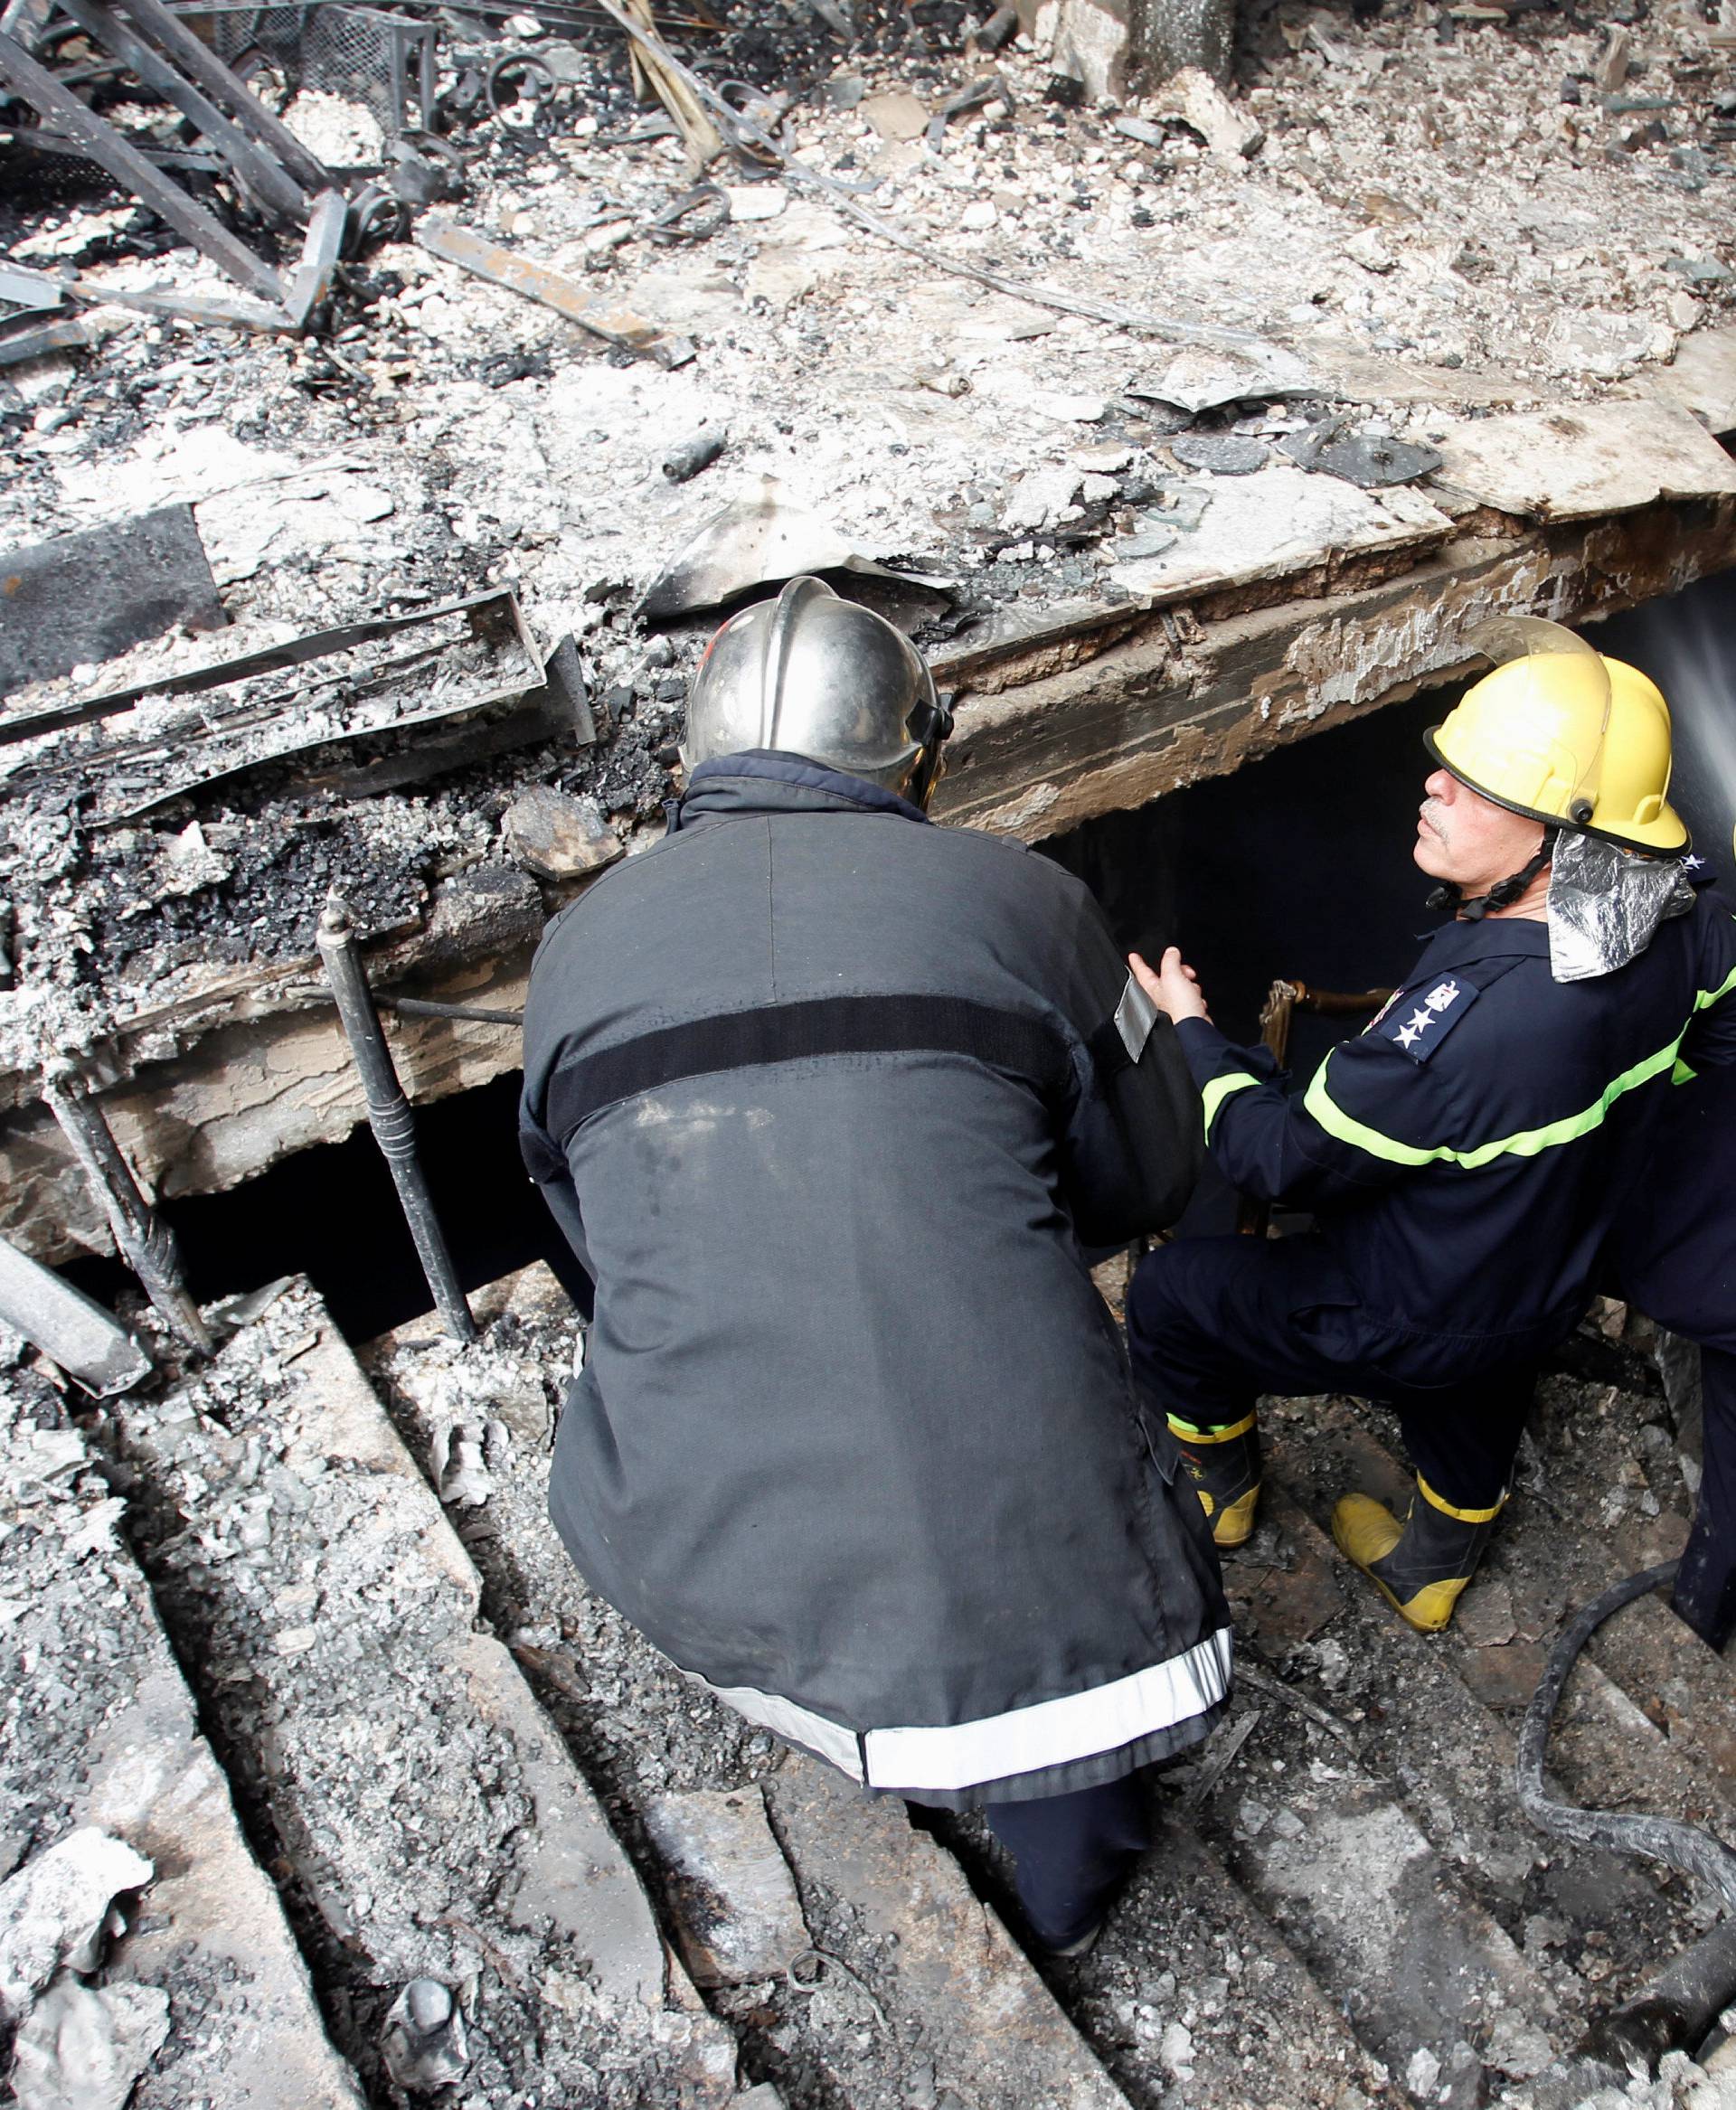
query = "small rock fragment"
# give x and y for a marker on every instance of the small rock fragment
(557, 836)
(1517, 2047)
(896, 115)
(425, 2044)
(738, 1915)
(83, 2048)
(1066, 407)
(756, 201)
(1040, 498)
(1196, 98)
(1612, 67)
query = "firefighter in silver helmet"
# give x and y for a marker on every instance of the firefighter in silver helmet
(829, 1101)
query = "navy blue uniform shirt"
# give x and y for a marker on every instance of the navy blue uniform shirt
(1466, 1154)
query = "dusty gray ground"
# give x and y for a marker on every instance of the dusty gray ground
(1191, 1996)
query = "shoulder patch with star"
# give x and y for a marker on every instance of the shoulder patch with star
(1419, 1019)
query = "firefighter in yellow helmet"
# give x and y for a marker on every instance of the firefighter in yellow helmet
(1465, 1156)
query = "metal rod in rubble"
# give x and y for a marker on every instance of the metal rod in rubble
(389, 1111)
(147, 1243)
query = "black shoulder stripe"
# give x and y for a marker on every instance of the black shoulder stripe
(1026, 1047)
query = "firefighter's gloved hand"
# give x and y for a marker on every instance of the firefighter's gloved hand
(1174, 988)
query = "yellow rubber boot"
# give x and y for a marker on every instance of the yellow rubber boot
(1224, 1466)
(1422, 1565)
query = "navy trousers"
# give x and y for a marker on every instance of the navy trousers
(1072, 1853)
(1213, 1322)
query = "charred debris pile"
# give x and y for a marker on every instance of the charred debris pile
(395, 397)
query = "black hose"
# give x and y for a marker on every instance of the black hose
(1674, 2010)
(1680, 1845)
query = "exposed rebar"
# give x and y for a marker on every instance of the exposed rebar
(389, 1111)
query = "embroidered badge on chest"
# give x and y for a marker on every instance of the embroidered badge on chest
(1420, 1019)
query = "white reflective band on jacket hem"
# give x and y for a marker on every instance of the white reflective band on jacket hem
(1025, 1739)
(799, 1725)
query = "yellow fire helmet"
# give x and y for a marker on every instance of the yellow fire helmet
(1565, 736)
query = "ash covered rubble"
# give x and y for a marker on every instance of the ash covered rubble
(1412, 220)
(1444, 212)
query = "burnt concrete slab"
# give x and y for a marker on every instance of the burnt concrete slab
(88, 597)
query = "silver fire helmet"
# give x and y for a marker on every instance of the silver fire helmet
(813, 675)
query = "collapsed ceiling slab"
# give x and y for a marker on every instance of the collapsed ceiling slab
(1063, 715)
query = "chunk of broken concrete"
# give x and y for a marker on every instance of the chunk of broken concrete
(896, 115)
(83, 2048)
(557, 836)
(53, 1911)
(756, 201)
(1040, 498)
(490, 906)
(1196, 98)
(736, 1914)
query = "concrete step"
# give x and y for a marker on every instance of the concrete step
(98, 1729)
(430, 1824)
(1329, 1851)
(1193, 1989)
(955, 2004)
(911, 1990)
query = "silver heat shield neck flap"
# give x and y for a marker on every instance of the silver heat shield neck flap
(1606, 903)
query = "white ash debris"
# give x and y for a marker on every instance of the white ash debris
(333, 1642)
(58, 1911)
(344, 135)
(1435, 213)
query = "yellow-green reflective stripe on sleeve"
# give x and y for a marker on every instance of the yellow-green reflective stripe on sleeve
(1710, 996)
(1527, 1143)
(1219, 1089)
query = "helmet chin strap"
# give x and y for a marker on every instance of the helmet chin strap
(1503, 894)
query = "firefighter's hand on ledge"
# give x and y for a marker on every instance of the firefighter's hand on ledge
(1173, 987)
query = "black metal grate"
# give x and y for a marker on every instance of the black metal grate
(364, 54)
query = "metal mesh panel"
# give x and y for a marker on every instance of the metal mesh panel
(362, 54)
(275, 30)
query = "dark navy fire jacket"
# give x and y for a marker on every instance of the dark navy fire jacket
(1466, 1155)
